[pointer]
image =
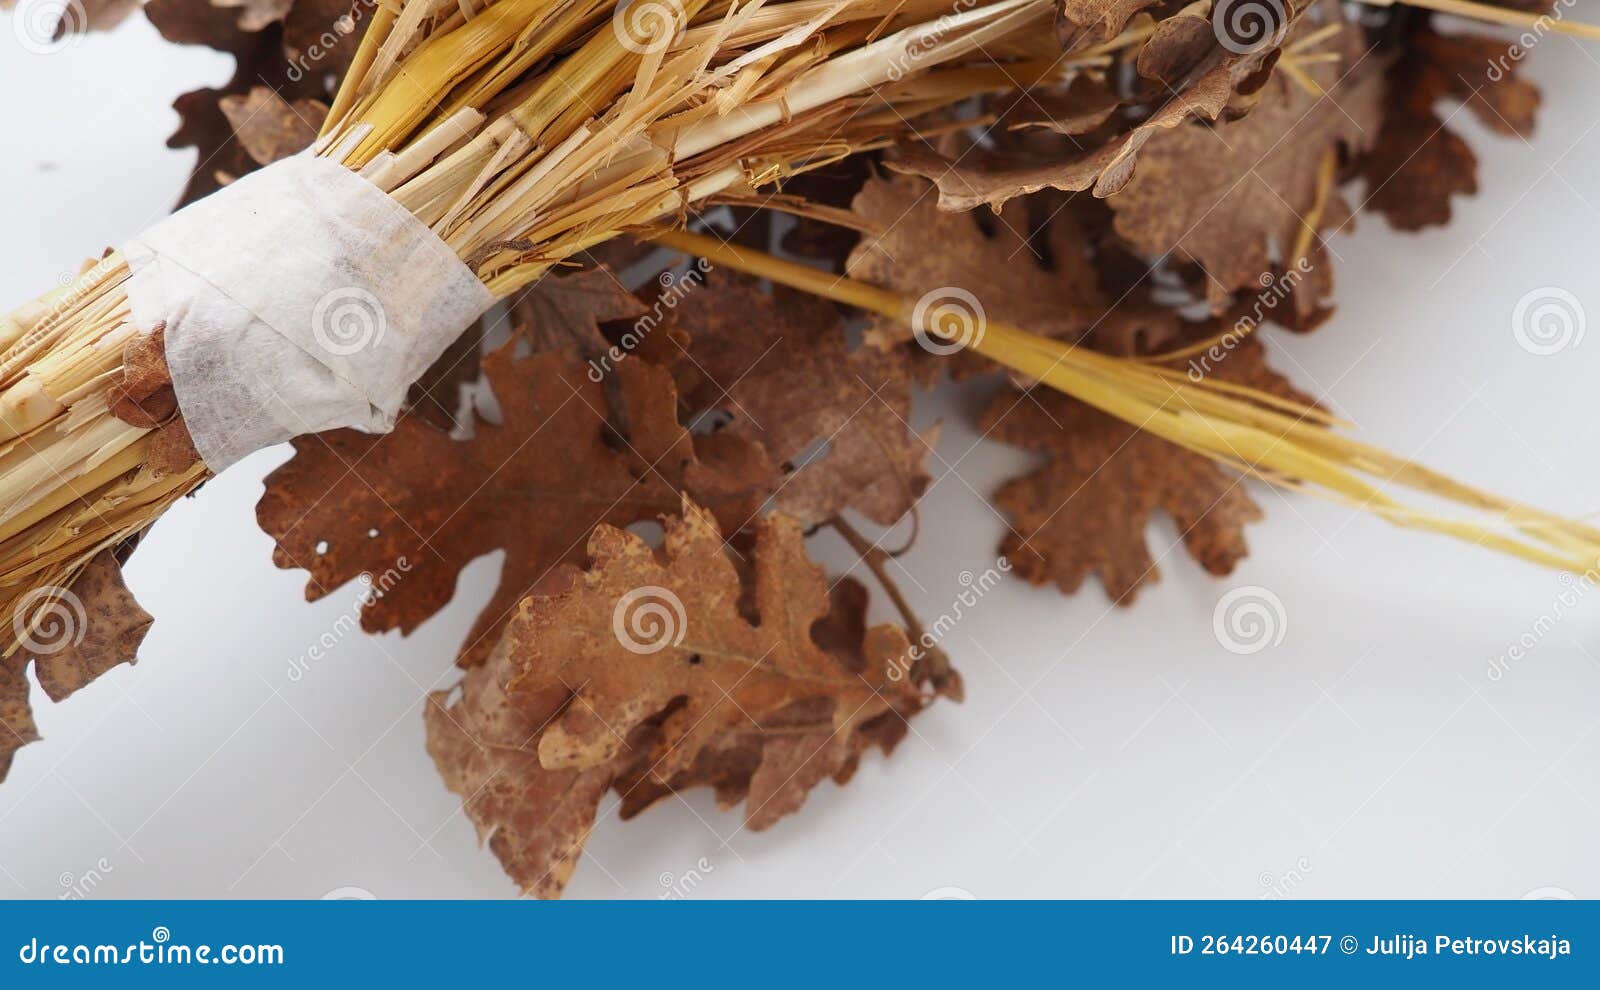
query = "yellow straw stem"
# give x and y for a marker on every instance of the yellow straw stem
(1500, 15)
(1262, 435)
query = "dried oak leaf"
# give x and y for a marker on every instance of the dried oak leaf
(269, 127)
(419, 506)
(561, 312)
(484, 745)
(1418, 162)
(1235, 197)
(73, 637)
(781, 368)
(1085, 510)
(659, 671)
(1089, 22)
(142, 396)
(1178, 46)
(831, 186)
(557, 313)
(1081, 107)
(320, 37)
(263, 59)
(980, 177)
(1003, 269)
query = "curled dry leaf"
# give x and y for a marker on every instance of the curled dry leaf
(657, 671)
(143, 396)
(1080, 23)
(977, 177)
(1085, 510)
(72, 636)
(411, 508)
(1180, 43)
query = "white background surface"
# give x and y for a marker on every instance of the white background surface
(1102, 752)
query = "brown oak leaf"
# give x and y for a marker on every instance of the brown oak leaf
(72, 636)
(1180, 43)
(1418, 161)
(417, 506)
(263, 58)
(1235, 197)
(1089, 22)
(978, 176)
(1003, 269)
(1085, 510)
(835, 418)
(562, 312)
(269, 127)
(657, 671)
(536, 821)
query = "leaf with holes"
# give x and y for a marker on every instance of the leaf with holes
(662, 670)
(410, 509)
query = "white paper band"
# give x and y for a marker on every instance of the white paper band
(300, 298)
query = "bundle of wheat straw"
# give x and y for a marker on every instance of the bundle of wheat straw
(526, 131)
(520, 135)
